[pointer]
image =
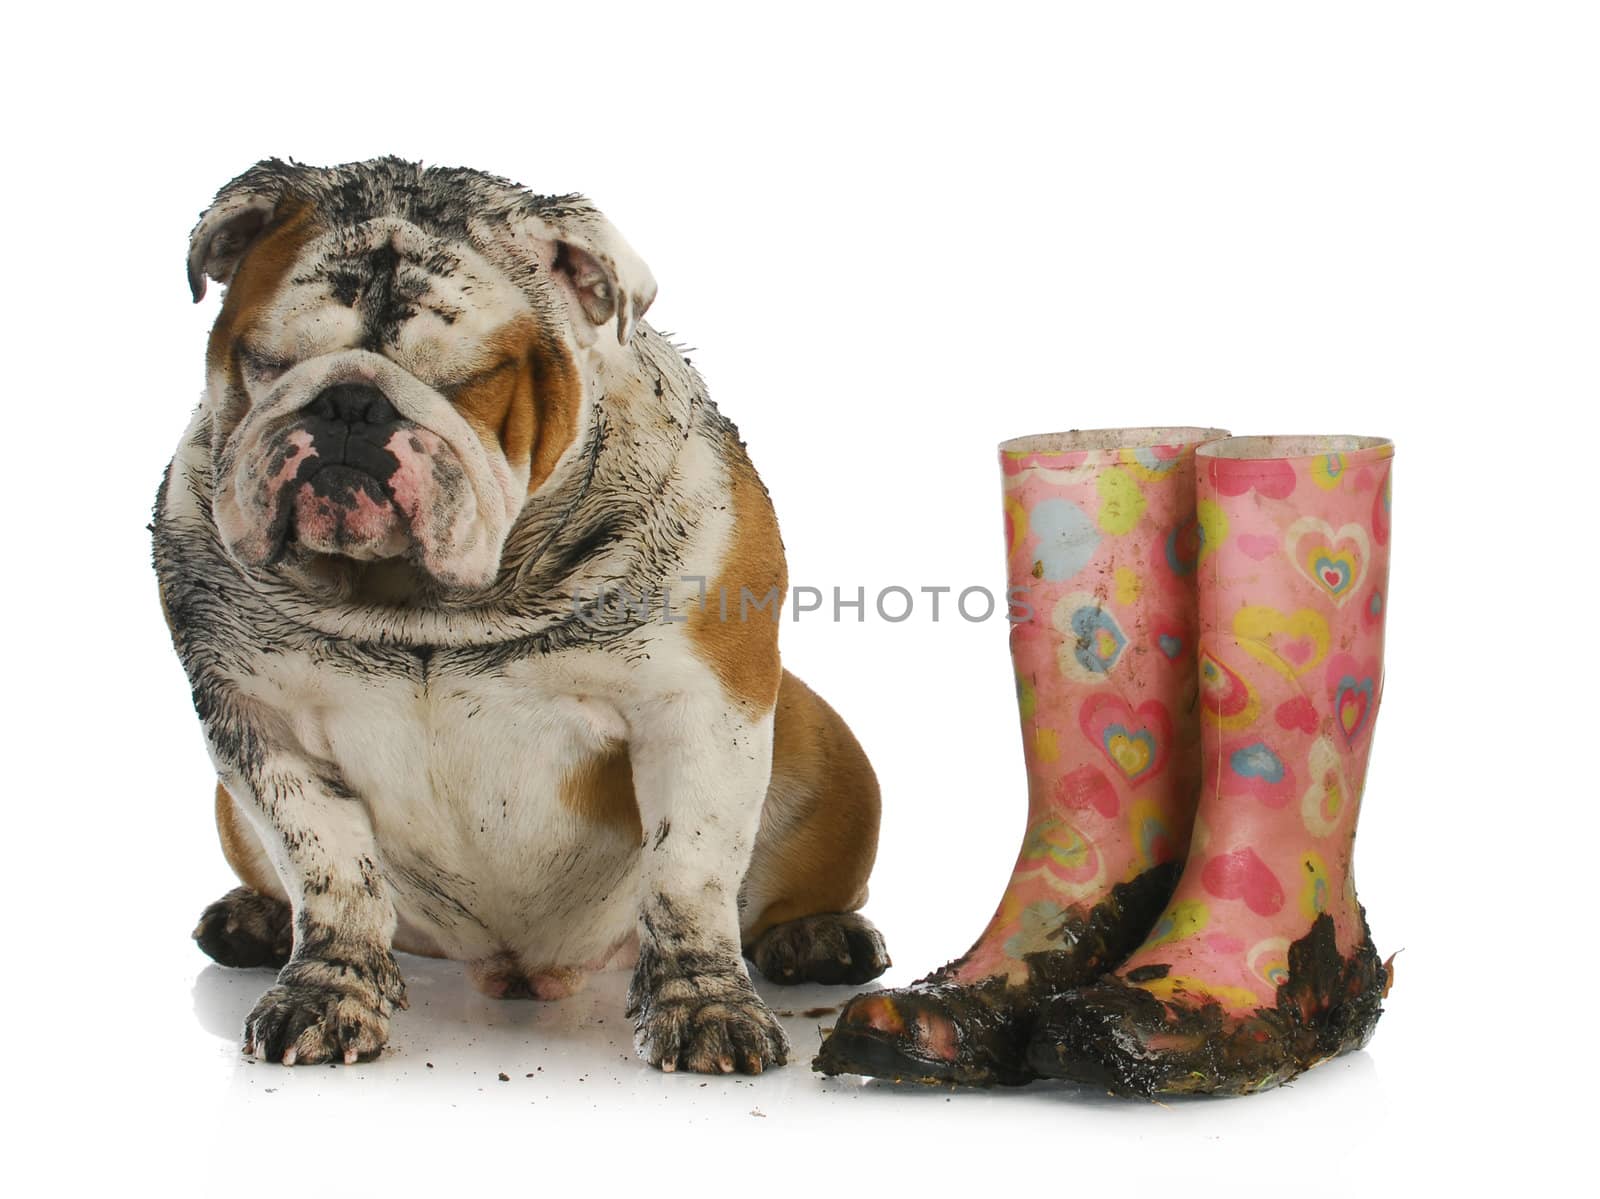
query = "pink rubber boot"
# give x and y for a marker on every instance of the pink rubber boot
(1262, 965)
(1101, 549)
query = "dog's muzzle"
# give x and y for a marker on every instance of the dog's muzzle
(343, 500)
(350, 455)
(339, 465)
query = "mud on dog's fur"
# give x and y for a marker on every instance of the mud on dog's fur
(436, 435)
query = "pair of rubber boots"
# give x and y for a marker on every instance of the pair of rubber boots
(1198, 644)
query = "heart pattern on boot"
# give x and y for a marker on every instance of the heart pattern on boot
(1135, 741)
(1171, 637)
(1297, 639)
(1067, 539)
(1272, 478)
(1087, 787)
(1297, 713)
(1095, 640)
(1335, 560)
(1243, 875)
(1256, 768)
(1257, 546)
(1224, 696)
(1352, 686)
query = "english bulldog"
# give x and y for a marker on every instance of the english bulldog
(477, 594)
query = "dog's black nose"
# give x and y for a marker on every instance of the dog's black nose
(354, 404)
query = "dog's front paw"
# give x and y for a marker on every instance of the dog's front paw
(710, 1023)
(307, 1025)
(325, 1012)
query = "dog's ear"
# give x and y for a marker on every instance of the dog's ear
(243, 208)
(585, 254)
(224, 233)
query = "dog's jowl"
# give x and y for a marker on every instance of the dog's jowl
(441, 552)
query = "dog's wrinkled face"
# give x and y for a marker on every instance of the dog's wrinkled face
(399, 363)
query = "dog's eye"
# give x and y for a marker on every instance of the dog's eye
(454, 387)
(261, 368)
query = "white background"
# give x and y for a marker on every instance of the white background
(894, 237)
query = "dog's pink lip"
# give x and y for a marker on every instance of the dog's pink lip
(355, 518)
(294, 495)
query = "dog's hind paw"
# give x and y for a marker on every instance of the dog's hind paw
(245, 929)
(832, 947)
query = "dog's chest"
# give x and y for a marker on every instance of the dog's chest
(483, 793)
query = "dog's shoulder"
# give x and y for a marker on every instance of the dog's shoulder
(735, 632)
(730, 572)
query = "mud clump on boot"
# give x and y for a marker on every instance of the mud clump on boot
(977, 1034)
(1121, 1037)
(1113, 930)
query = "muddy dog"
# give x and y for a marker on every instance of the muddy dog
(477, 593)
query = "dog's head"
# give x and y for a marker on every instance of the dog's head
(400, 362)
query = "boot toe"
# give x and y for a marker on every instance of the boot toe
(970, 1035)
(890, 1034)
(1118, 1036)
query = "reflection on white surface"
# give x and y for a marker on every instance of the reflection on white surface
(453, 1044)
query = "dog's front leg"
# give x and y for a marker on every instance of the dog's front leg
(333, 998)
(700, 772)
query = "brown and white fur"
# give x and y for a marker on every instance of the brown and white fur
(404, 549)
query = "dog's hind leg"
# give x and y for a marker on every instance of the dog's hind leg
(814, 851)
(251, 925)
